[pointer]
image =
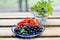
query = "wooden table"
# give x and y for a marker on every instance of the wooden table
(7, 20)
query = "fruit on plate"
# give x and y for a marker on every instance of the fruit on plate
(28, 22)
(28, 26)
(27, 30)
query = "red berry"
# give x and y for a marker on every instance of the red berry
(17, 26)
(29, 21)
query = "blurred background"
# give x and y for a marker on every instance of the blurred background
(23, 5)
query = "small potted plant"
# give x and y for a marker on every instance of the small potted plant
(42, 9)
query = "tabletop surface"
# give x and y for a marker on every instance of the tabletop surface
(7, 20)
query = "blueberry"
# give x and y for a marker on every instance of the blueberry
(18, 32)
(29, 27)
(40, 27)
(36, 32)
(26, 27)
(40, 30)
(32, 28)
(33, 33)
(16, 29)
(36, 27)
(28, 32)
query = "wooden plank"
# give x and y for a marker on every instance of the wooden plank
(24, 14)
(52, 22)
(30, 39)
(15, 14)
(49, 32)
(5, 22)
(11, 39)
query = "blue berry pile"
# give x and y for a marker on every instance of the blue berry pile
(28, 30)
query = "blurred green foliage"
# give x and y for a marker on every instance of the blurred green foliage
(43, 7)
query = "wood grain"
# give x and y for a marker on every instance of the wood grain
(5, 22)
(30, 39)
(24, 14)
(49, 31)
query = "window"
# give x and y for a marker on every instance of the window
(17, 5)
(56, 5)
(13, 5)
(9, 5)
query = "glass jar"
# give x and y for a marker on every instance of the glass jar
(40, 18)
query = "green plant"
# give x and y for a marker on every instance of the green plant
(43, 7)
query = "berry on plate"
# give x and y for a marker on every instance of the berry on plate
(28, 21)
(27, 30)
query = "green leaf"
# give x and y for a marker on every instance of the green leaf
(43, 5)
(22, 30)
